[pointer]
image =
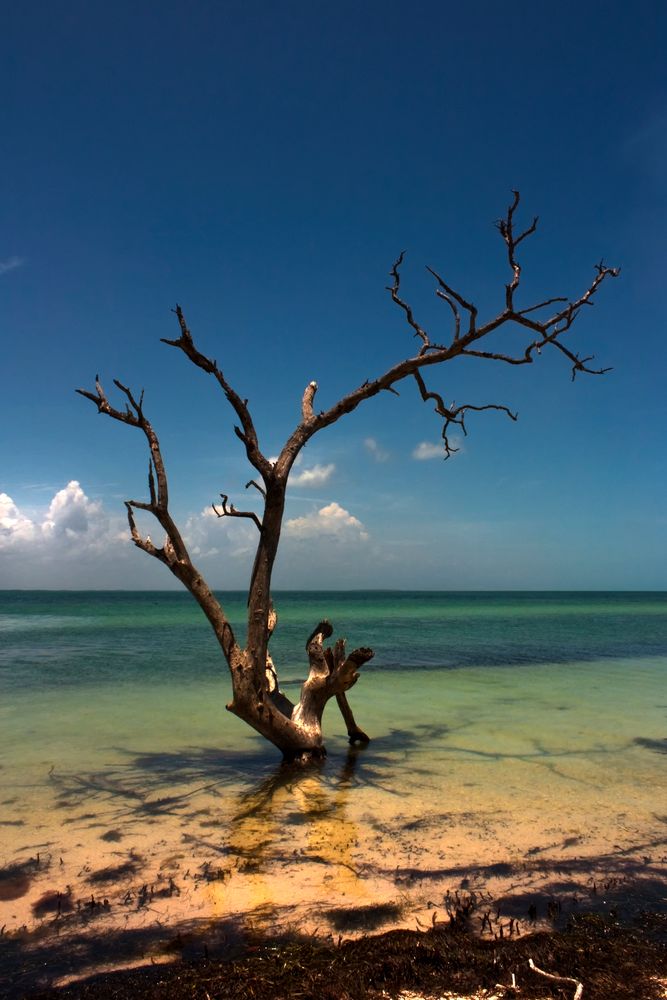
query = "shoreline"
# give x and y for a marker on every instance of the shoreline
(607, 957)
(115, 869)
(112, 920)
(135, 826)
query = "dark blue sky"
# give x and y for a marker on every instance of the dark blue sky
(263, 165)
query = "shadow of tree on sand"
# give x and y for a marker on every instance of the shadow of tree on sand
(264, 803)
(31, 961)
(149, 784)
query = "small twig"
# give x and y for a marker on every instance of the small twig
(407, 309)
(448, 291)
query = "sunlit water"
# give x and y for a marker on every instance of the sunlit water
(504, 726)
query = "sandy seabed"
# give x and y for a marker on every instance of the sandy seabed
(114, 868)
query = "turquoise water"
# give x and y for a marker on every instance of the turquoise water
(76, 661)
(64, 638)
(508, 723)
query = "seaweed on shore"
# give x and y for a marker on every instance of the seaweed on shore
(611, 961)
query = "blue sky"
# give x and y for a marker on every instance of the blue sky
(263, 164)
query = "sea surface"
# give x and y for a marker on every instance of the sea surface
(119, 654)
(502, 725)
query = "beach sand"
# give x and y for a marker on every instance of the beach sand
(116, 868)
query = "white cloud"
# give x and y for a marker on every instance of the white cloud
(72, 524)
(426, 449)
(332, 521)
(208, 535)
(10, 264)
(74, 541)
(374, 449)
(15, 528)
(315, 476)
(71, 515)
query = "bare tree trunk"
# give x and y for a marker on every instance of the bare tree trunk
(256, 696)
(295, 729)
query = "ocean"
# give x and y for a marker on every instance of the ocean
(504, 727)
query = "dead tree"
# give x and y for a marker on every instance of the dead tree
(256, 696)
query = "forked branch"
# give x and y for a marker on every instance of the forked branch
(174, 552)
(407, 309)
(454, 414)
(231, 511)
(547, 332)
(332, 673)
(464, 341)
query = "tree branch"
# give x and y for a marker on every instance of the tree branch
(394, 289)
(173, 553)
(545, 333)
(445, 292)
(231, 511)
(135, 417)
(257, 487)
(331, 673)
(307, 402)
(246, 432)
(454, 414)
(506, 229)
(579, 991)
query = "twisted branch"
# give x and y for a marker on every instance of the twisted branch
(455, 414)
(463, 342)
(506, 228)
(394, 289)
(174, 552)
(447, 293)
(231, 511)
(247, 432)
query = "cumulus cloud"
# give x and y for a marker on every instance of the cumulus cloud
(15, 528)
(374, 449)
(332, 521)
(71, 514)
(72, 523)
(208, 535)
(313, 477)
(73, 541)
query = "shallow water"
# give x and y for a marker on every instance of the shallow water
(504, 728)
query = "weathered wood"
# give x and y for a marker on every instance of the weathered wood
(256, 696)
